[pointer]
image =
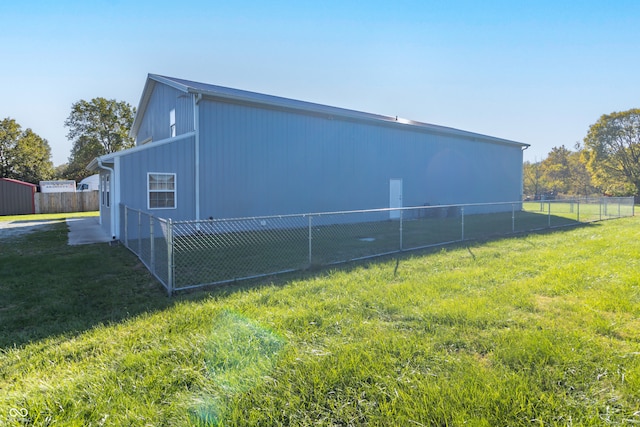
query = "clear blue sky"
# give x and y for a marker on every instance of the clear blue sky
(538, 72)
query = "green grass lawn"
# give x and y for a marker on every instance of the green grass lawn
(535, 330)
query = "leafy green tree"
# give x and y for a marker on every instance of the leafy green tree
(60, 171)
(562, 172)
(612, 152)
(9, 134)
(556, 173)
(532, 179)
(23, 154)
(33, 158)
(581, 183)
(97, 127)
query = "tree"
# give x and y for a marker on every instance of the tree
(556, 172)
(562, 172)
(532, 175)
(100, 126)
(581, 184)
(33, 158)
(9, 134)
(23, 155)
(60, 171)
(612, 152)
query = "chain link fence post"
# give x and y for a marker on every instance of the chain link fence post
(126, 226)
(401, 229)
(600, 206)
(619, 203)
(170, 268)
(310, 239)
(462, 223)
(139, 233)
(152, 255)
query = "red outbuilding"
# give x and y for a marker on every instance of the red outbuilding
(17, 197)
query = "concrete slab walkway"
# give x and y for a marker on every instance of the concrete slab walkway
(85, 231)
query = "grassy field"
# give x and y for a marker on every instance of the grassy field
(535, 330)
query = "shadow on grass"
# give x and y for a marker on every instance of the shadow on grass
(48, 288)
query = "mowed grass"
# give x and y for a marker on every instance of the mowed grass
(535, 330)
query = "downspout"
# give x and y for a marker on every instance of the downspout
(196, 127)
(112, 226)
(524, 147)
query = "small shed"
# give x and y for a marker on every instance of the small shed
(16, 197)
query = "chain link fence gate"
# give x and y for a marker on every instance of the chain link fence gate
(189, 254)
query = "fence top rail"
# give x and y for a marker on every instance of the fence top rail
(587, 200)
(144, 213)
(318, 214)
(379, 210)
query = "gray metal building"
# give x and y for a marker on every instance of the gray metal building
(205, 151)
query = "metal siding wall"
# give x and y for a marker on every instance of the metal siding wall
(468, 171)
(16, 198)
(177, 157)
(258, 161)
(155, 123)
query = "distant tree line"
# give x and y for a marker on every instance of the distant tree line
(607, 163)
(24, 155)
(97, 127)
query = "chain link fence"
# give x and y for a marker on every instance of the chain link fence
(188, 254)
(149, 237)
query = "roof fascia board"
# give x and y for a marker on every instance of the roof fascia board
(142, 107)
(15, 181)
(169, 82)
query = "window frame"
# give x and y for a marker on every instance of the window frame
(102, 178)
(164, 190)
(105, 190)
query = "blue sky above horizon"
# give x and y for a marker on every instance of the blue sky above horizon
(535, 72)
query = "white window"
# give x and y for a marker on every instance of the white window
(105, 191)
(172, 123)
(102, 185)
(162, 190)
(108, 190)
